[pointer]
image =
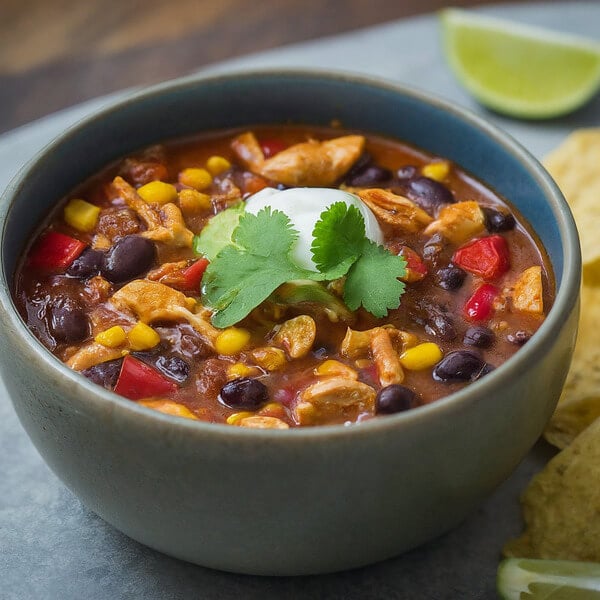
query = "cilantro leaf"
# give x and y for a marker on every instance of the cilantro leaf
(251, 259)
(245, 273)
(217, 233)
(338, 238)
(372, 280)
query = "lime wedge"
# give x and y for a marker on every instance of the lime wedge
(532, 579)
(519, 70)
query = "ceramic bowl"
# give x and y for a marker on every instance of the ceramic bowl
(309, 500)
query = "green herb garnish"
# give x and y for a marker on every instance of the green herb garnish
(247, 271)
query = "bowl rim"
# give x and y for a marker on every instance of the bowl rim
(105, 400)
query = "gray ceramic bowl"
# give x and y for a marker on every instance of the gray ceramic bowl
(308, 500)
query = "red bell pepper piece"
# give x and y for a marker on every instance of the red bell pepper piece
(481, 304)
(192, 275)
(270, 147)
(54, 250)
(487, 257)
(137, 380)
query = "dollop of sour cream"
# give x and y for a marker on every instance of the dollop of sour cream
(304, 206)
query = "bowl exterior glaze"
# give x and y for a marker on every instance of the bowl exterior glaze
(300, 501)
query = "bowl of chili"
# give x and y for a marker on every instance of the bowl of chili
(361, 403)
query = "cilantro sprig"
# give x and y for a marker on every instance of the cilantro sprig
(258, 260)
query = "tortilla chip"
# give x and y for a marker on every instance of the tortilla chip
(579, 404)
(575, 166)
(562, 503)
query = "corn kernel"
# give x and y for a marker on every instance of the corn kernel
(142, 337)
(437, 170)
(168, 407)
(232, 340)
(158, 192)
(81, 215)
(193, 201)
(199, 179)
(217, 164)
(421, 357)
(237, 370)
(235, 418)
(112, 337)
(334, 368)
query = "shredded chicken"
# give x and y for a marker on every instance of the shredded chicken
(394, 210)
(170, 274)
(311, 163)
(164, 223)
(152, 301)
(296, 336)
(458, 222)
(331, 397)
(92, 354)
(385, 358)
(384, 345)
(98, 289)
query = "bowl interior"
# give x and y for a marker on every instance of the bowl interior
(193, 105)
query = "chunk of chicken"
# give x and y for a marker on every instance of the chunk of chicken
(152, 301)
(458, 222)
(296, 336)
(311, 163)
(527, 296)
(333, 398)
(395, 210)
(164, 223)
(92, 354)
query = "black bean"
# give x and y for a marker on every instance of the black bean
(372, 175)
(105, 374)
(244, 393)
(87, 264)
(435, 319)
(406, 172)
(394, 398)
(130, 257)
(519, 337)
(479, 336)
(429, 194)
(487, 368)
(450, 278)
(364, 160)
(496, 221)
(68, 321)
(460, 365)
(173, 367)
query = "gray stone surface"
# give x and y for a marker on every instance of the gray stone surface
(53, 547)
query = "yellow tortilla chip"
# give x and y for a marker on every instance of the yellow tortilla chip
(575, 166)
(579, 404)
(561, 505)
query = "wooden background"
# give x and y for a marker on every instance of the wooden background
(56, 53)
